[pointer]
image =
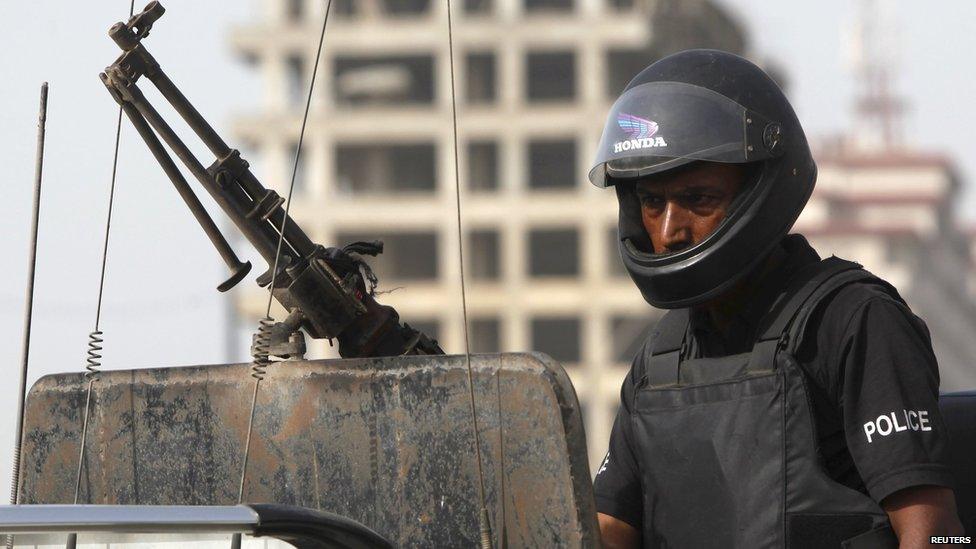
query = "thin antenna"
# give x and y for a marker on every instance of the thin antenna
(261, 359)
(261, 348)
(29, 305)
(484, 522)
(878, 109)
(95, 337)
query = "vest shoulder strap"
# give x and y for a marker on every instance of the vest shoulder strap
(810, 288)
(669, 331)
(662, 357)
(785, 324)
(798, 329)
(808, 282)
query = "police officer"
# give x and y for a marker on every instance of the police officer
(783, 400)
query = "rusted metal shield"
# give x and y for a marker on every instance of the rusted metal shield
(388, 442)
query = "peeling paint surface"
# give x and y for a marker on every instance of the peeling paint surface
(387, 441)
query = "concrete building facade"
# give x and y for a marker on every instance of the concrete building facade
(892, 211)
(534, 81)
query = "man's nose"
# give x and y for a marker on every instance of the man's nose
(675, 229)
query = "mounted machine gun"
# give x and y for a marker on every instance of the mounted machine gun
(328, 292)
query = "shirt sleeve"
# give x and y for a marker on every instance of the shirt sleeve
(889, 400)
(617, 487)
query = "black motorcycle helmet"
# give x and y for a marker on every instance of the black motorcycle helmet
(705, 105)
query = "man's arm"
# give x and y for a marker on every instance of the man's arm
(890, 375)
(919, 512)
(617, 534)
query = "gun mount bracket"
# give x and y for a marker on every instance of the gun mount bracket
(332, 287)
(128, 35)
(286, 341)
(266, 206)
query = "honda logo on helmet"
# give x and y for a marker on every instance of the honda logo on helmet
(641, 132)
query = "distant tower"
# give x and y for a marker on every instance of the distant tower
(873, 50)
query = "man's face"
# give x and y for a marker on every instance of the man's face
(680, 209)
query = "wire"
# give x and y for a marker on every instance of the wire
(29, 305)
(95, 336)
(261, 361)
(485, 525)
(93, 367)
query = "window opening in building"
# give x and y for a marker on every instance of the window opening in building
(478, 7)
(367, 168)
(622, 66)
(344, 8)
(554, 252)
(842, 211)
(548, 5)
(628, 332)
(301, 178)
(485, 335)
(431, 327)
(295, 75)
(407, 255)
(480, 77)
(558, 337)
(255, 153)
(615, 265)
(484, 255)
(551, 76)
(406, 7)
(584, 408)
(250, 59)
(295, 9)
(482, 165)
(384, 80)
(552, 164)
(902, 251)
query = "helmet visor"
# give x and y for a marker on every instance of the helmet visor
(661, 125)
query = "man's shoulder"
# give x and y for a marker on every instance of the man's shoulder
(850, 298)
(842, 305)
(869, 307)
(866, 313)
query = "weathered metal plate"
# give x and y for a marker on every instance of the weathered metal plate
(388, 442)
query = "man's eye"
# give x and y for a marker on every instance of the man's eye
(651, 200)
(697, 198)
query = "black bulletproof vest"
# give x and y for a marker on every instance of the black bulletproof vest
(728, 451)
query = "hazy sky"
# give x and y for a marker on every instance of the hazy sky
(160, 305)
(934, 45)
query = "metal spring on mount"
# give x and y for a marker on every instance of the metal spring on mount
(485, 528)
(94, 354)
(262, 347)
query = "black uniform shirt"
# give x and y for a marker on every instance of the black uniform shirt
(872, 379)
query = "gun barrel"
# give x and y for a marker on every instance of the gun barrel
(296, 238)
(333, 299)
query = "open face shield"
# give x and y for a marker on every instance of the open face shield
(661, 125)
